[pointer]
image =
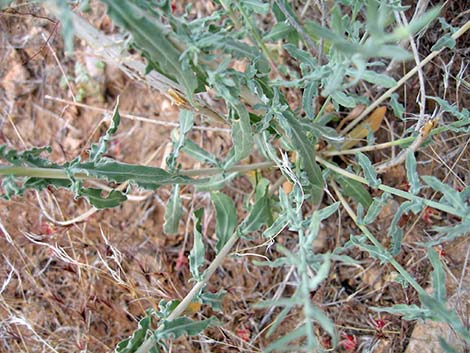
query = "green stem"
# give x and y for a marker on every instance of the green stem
(53, 173)
(377, 244)
(389, 189)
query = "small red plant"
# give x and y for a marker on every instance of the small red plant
(430, 214)
(46, 229)
(349, 343)
(243, 333)
(181, 261)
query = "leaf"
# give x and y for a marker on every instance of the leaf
(449, 194)
(283, 342)
(97, 150)
(378, 79)
(397, 107)
(375, 208)
(411, 173)
(197, 254)
(279, 31)
(66, 23)
(182, 326)
(317, 217)
(216, 182)
(320, 276)
(438, 276)
(446, 41)
(395, 232)
(131, 344)
(369, 171)
(372, 124)
(342, 99)
(113, 199)
(380, 254)
(260, 213)
(409, 312)
(256, 6)
(439, 312)
(214, 300)
(354, 189)
(198, 153)
(226, 218)
(310, 91)
(306, 151)
(173, 212)
(146, 177)
(278, 225)
(186, 119)
(242, 136)
(152, 39)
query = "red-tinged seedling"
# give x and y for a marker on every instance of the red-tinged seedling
(46, 228)
(430, 214)
(348, 343)
(243, 333)
(181, 261)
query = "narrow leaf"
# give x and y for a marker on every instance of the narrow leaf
(173, 212)
(226, 218)
(94, 197)
(197, 254)
(242, 135)
(354, 189)
(438, 276)
(97, 150)
(306, 150)
(411, 173)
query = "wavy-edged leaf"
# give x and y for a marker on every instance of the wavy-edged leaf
(380, 254)
(146, 177)
(395, 232)
(306, 151)
(317, 217)
(182, 326)
(308, 101)
(173, 212)
(198, 252)
(375, 208)
(438, 276)
(131, 344)
(94, 197)
(226, 218)
(449, 194)
(214, 300)
(439, 312)
(152, 39)
(97, 150)
(369, 171)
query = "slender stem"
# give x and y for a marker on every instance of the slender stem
(150, 342)
(51, 173)
(389, 189)
(376, 243)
